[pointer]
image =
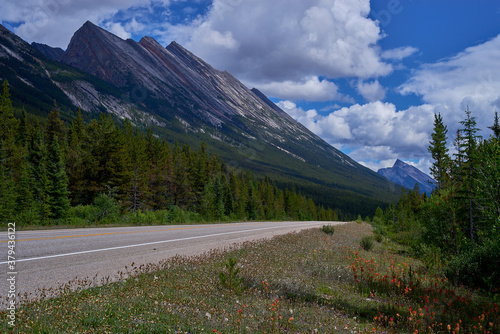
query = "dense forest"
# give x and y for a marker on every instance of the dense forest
(457, 228)
(102, 172)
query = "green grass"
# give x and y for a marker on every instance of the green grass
(303, 282)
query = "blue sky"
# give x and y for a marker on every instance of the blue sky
(366, 76)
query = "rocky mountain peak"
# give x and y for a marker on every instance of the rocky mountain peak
(399, 164)
(407, 176)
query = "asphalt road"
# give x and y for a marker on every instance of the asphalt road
(48, 258)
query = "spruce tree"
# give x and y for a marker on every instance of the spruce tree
(495, 127)
(58, 191)
(42, 185)
(8, 155)
(24, 196)
(468, 155)
(439, 151)
(7, 188)
(55, 127)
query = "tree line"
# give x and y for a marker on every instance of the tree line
(459, 223)
(52, 172)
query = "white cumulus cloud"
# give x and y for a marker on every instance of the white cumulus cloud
(371, 91)
(471, 78)
(284, 40)
(311, 89)
(375, 133)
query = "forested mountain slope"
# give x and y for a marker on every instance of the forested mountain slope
(182, 98)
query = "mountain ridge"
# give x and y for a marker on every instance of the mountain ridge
(183, 98)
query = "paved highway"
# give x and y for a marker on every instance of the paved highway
(49, 258)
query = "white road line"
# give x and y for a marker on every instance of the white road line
(148, 243)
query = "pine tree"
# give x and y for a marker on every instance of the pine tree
(24, 196)
(439, 151)
(8, 155)
(467, 153)
(22, 131)
(56, 173)
(8, 123)
(77, 130)
(137, 170)
(7, 188)
(76, 154)
(42, 185)
(55, 127)
(495, 127)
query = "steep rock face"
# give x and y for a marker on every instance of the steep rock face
(407, 176)
(196, 92)
(36, 81)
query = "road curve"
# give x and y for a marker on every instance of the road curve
(48, 258)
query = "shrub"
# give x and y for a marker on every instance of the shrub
(366, 243)
(106, 208)
(359, 220)
(328, 229)
(479, 268)
(431, 256)
(176, 215)
(378, 237)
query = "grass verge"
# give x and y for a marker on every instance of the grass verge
(307, 282)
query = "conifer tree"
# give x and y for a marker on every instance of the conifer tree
(58, 180)
(468, 152)
(7, 188)
(495, 127)
(76, 154)
(42, 185)
(22, 131)
(8, 154)
(55, 127)
(24, 196)
(8, 123)
(439, 151)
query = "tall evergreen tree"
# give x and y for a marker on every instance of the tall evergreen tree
(468, 150)
(56, 172)
(55, 127)
(22, 131)
(8, 123)
(7, 188)
(42, 185)
(439, 151)
(8, 154)
(495, 127)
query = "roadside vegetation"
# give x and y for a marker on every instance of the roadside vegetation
(457, 229)
(307, 282)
